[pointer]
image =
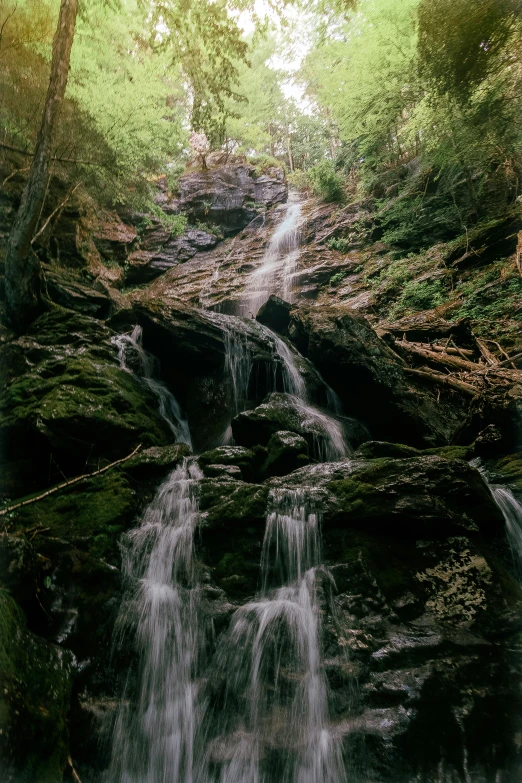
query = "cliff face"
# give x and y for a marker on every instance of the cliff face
(419, 602)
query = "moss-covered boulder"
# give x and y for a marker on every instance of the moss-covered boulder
(287, 451)
(287, 412)
(66, 403)
(35, 684)
(414, 497)
(243, 458)
(371, 380)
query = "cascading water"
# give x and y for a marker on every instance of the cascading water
(272, 725)
(135, 360)
(511, 510)
(274, 274)
(154, 733)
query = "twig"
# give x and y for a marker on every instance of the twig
(73, 771)
(518, 258)
(58, 160)
(13, 174)
(53, 213)
(502, 351)
(69, 483)
(486, 353)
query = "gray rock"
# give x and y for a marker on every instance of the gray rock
(230, 195)
(275, 314)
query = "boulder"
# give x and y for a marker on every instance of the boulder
(230, 195)
(159, 252)
(371, 380)
(35, 686)
(275, 314)
(413, 497)
(231, 456)
(325, 432)
(66, 402)
(286, 452)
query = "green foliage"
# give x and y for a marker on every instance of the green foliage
(337, 278)
(299, 180)
(420, 295)
(263, 163)
(430, 131)
(338, 243)
(326, 182)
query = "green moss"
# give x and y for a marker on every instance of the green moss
(34, 700)
(94, 511)
(453, 452)
(232, 503)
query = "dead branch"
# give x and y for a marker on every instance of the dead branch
(518, 258)
(69, 483)
(445, 360)
(486, 353)
(54, 212)
(443, 380)
(73, 771)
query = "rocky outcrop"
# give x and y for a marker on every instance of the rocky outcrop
(230, 195)
(371, 379)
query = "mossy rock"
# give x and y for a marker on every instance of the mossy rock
(229, 504)
(287, 451)
(245, 459)
(66, 397)
(419, 496)
(156, 461)
(508, 470)
(35, 684)
(374, 449)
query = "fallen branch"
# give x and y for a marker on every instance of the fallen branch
(444, 380)
(486, 353)
(54, 212)
(455, 362)
(502, 351)
(69, 483)
(73, 771)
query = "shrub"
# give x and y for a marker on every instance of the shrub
(326, 182)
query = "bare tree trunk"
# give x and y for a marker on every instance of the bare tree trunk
(22, 266)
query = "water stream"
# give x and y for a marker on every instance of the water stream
(275, 273)
(271, 723)
(135, 360)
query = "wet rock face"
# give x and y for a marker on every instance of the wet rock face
(230, 195)
(412, 612)
(371, 380)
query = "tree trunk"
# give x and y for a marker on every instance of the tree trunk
(22, 266)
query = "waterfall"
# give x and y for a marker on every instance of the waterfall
(275, 273)
(135, 360)
(155, 727)
(275, 688)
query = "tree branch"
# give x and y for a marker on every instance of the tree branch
(69, 483)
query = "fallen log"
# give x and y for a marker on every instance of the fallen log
(440, 359)
(443, 380)
(429, 331)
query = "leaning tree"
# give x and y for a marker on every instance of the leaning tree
(22, 266)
